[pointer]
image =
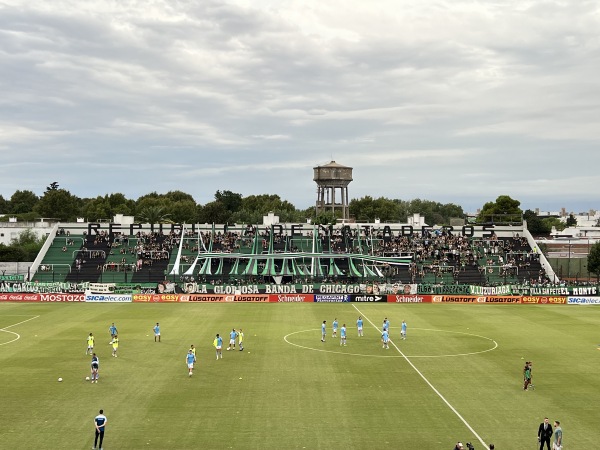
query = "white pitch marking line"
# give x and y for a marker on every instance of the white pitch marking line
(429, 384)
(12, 332)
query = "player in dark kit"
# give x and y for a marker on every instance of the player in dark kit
(526, 375)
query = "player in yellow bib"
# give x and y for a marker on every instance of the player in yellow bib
(241, 340)
(115, 345)
(90, 344)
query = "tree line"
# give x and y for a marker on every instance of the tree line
(227, 207)
(230, 207)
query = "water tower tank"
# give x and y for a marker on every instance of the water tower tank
(332, 179)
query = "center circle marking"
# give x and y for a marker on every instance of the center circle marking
(492, 347)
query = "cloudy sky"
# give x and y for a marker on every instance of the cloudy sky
(448, 100)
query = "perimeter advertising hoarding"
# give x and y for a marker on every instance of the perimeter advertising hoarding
(19, 298)
(94, 298)
(526, 300)
(62, 297)
(368, 298)
(332, 298)
(502, 299)
(155, 298)
(291, 298)
(409, 298)
(223, 298)
(583, 300)
(492, 299)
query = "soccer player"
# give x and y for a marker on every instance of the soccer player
(190, 358)
(323, 330)
(385, 337)
(157, 332)
(526, 375)
(241, 339)
(112, 330)
(115, 345)
(359, 325)
(343, 335)
(193, 350)
(90, 344)
(335, 327)
(384, 327)
(403, 330)
(95, 366)
(232, 336)
(218, 343)
(558, 436)
(99, 424)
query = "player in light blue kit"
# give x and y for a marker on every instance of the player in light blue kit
(232, 335)
(112, 330)
(403, 330)
(335, 327)
(323, 330)
(385, 337)
(359, 325)
(218, 344)
(189, 359)
(343, 335)
(156, 332)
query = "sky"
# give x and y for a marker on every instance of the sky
(453, 101)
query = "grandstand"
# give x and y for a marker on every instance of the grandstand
(220, 255)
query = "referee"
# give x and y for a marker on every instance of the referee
(99, 423)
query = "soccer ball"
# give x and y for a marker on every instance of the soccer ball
(59, 380)
(228, 349)
(87, 378)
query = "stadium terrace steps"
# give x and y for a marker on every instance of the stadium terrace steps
(92, 256)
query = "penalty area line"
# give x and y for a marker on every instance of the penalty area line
(18, 336)
(439, 394)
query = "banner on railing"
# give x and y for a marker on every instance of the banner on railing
(43, 287)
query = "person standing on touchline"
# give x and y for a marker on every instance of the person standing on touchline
(99, 424)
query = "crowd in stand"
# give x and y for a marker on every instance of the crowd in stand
(435, 252)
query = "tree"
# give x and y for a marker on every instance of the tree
(53, 186)
(4, 205)
(231, 200)
(214, 212)
(29, 243)
(571, 221)
(435, 213)
(183, 211)
(555, 222)
(22, 202)
(367, 209)
(23, 248)
(58, 204)
(593, 261)
(503, 209)
(325, 218)
(535, 225)
(254, 207)
(153, 214)
(179, 196)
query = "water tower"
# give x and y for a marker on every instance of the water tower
(332, 178)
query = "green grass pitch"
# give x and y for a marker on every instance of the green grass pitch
(288, 390)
